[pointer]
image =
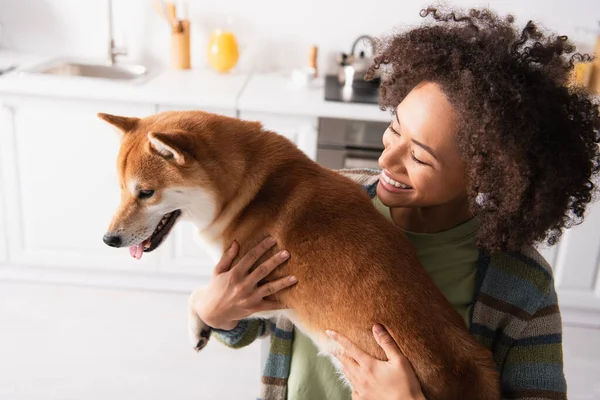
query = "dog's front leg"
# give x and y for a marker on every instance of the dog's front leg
(198, 330)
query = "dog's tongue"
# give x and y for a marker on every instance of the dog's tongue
(137, 251)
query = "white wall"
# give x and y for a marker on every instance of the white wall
(66, 342)
(274, 33)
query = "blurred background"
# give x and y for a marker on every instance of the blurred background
(79, 320)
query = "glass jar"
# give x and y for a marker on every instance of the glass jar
(223, 51)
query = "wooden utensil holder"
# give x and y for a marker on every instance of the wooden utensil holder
(180, 45)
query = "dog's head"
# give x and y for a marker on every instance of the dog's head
(160, 177)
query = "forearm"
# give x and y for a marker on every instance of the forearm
(246, 332)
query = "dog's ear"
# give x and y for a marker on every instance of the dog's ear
(125, 124)
(171, 146)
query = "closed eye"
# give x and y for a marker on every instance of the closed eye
(415, 159)
(393, 130)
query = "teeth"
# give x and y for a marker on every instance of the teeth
(162, 222)
(395, 183)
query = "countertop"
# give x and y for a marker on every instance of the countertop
(195, 88)
(201, 88)
(275, 93)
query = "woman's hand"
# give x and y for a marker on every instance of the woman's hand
(233, 292)
(373, 379)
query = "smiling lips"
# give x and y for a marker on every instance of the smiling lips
(393, 185)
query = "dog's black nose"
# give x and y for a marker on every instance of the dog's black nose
(112, 240)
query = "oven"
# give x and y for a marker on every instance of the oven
(349, 143)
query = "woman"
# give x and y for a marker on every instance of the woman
(487, 154)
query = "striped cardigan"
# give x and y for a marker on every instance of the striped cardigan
(515, 315)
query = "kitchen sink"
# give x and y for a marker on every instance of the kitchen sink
(119, 72)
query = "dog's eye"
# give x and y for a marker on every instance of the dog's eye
(145, 194)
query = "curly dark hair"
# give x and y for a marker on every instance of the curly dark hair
(528, 139)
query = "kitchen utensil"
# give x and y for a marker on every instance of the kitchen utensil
(180, 32)
(166, 10)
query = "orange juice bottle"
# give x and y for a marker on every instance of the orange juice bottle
(223, 52)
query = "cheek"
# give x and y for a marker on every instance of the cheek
(422, 179)
(436, 184)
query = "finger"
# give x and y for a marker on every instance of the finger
(264, 269)
(350, 348)
(273, 287)
(227, 258)
(387, 343)
(349, 365)
(348, 362)
(251, 257)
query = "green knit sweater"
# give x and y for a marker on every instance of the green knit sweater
(515, 315)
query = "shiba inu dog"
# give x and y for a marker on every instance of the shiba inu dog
(235, 180)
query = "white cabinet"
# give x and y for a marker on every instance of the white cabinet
(59, 191)
(299, 129)
(575, 260)
(60, 182)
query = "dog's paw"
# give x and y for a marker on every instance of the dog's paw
(198, 330)
(204, 335)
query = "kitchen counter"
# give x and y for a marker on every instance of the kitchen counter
(275, 93)
(196, 88)
(201, 88)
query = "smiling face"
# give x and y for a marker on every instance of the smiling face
(421, 163)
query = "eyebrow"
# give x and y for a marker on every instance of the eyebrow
(423, 146)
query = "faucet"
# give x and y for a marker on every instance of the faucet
(113, 51)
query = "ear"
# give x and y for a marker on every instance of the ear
(125, 124)
(171, 146)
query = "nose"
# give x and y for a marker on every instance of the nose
(112, 240)
(393, 159)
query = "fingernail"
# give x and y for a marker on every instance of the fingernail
(271, 240)
(293, 279)
(284, 254)
(330, 333)
(378, 329)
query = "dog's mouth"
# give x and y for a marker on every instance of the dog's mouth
(156, 238)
